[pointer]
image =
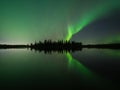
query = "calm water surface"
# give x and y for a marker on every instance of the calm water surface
(83, 69)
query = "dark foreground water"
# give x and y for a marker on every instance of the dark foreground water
(89, 68)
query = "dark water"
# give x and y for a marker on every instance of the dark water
(90, 68)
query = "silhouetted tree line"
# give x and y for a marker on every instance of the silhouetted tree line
(60, 46)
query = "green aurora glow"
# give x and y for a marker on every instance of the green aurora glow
(24, 21)
(93, 14)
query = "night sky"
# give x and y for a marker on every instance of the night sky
(89, 21)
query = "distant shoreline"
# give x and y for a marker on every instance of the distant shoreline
(62, 46)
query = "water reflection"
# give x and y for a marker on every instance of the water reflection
(87, 68)
(87, 75)
(72, 63)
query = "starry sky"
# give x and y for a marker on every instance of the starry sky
(89, 21)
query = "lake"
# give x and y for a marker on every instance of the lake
(89, 68)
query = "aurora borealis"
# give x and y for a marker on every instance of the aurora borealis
(24, 21)
(96, 12)
(35, 24)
